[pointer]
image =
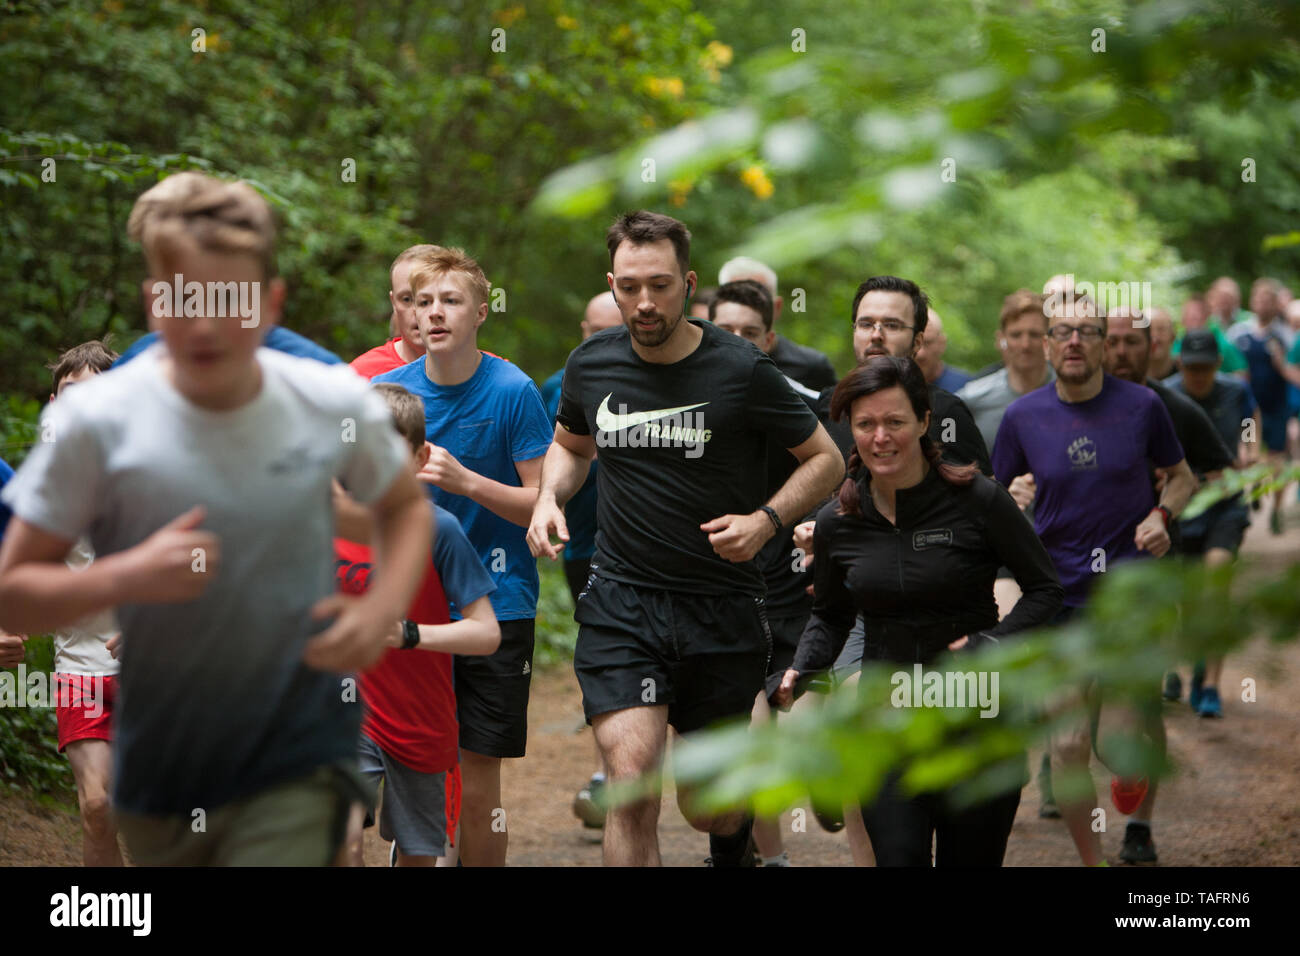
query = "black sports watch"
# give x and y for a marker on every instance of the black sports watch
(771, 513)
(410, 635)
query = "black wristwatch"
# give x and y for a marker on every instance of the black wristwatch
(410, 635)
(771, 513)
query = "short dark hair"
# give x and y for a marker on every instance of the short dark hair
(643, 227)
(878, 373)
(705, 296)
(94, 355)
(407, 411)
(746, 292)
(920, 303)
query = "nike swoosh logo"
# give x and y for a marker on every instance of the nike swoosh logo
(607, 421)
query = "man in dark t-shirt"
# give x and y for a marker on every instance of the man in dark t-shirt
(672, 629)
(889, 318)
(1214, 535)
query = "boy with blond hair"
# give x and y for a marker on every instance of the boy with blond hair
(488, 429)
(201, 473)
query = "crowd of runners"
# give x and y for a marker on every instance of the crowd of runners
(276, 580)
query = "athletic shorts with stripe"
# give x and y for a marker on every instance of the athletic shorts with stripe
(704, 656)
(492, 694)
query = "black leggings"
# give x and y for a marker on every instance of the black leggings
(901, 827)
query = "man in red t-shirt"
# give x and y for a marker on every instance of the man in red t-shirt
(409, 735)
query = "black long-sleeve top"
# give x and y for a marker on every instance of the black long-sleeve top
(927, 581)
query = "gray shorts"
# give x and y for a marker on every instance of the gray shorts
(850, 660)
(414, 811)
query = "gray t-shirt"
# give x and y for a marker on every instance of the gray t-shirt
(215, 703)
(987, 398)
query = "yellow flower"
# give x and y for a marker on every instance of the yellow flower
(566, 22)
(678, 190)
(660, 87)
(756, 179)
(718, 54)
(509, 15)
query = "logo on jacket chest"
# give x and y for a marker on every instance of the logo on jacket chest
(936, 538)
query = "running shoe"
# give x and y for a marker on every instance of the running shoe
(748, 857)
(1210, 705)
(392, 853)
(1198, 681)
(782, 860)
(587, 805)
(1173, 686)
(1138, 846)
(1127, 795)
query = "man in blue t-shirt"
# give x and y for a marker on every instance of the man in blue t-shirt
(489, 431)
(1262, 337)
(1079, 449)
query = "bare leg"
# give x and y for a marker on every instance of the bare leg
(352, 852)
(767, 830)
(632, 743)
(483, 834)
(92, 766)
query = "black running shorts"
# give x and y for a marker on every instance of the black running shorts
(492, 694)
(704, 656)
(786, 632)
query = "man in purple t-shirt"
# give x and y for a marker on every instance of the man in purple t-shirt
(1080, 448)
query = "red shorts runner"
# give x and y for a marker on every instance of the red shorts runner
(84, 707)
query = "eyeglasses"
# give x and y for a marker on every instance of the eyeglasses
(888, 326)
(1087, 333)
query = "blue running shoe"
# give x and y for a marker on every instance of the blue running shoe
(1210, 705)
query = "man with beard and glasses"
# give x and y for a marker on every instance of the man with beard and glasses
(1080, 450)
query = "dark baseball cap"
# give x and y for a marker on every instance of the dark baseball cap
(1200, 347)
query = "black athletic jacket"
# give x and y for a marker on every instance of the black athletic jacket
(928, 581)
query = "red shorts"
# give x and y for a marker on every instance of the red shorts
(84, 707)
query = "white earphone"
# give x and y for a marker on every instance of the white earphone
(1002, 343)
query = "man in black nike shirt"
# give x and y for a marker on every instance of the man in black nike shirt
(672, 626)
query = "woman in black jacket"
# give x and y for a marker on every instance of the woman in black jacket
(914, 544)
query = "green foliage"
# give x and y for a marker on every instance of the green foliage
(449, 139)
(29, 739)
(556, 632)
